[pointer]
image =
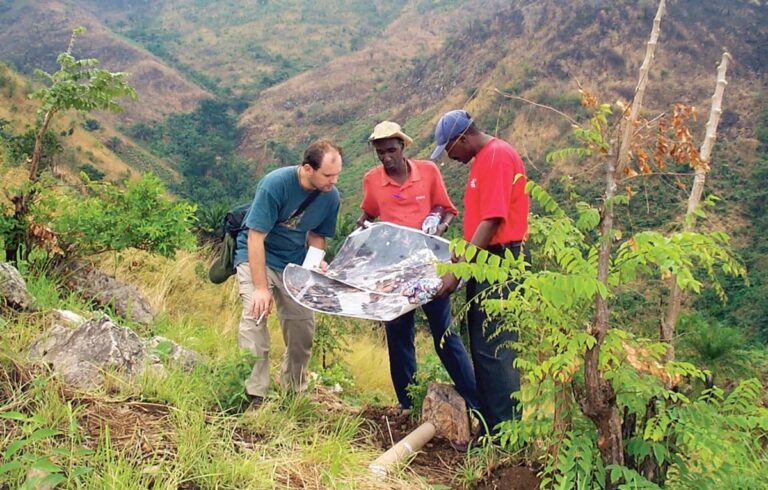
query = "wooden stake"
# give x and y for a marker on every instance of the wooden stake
(598, 400)
(694, 199)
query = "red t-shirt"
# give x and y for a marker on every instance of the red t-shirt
(493, 192)
(406, 204)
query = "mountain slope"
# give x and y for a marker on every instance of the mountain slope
(33, 33)
(242, 47)
(424, 65)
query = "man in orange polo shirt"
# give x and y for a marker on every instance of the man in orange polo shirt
(495, 219)
(403, 192)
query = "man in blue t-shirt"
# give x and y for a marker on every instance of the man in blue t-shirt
(293, 207)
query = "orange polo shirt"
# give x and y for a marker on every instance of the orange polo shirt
(406, 204)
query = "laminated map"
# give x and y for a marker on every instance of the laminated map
(369, 273)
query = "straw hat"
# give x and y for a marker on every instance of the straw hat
(389, 129)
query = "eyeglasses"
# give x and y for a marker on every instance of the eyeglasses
(451, 143)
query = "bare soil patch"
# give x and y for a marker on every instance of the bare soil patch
(511, 478)
(140, 428)
(438, 462)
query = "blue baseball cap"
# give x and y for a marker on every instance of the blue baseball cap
(450, 126)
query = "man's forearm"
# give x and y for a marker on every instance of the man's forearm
(447, 218)
(363, 218)
(315, 240)
(257, 260)
(484, 232)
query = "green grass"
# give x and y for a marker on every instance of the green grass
(177, 430)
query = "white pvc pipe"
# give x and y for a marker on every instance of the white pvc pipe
(407, 446)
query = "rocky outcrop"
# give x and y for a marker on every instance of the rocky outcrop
(13, 289)
(104, 290)
(81, 356)
(446, 409)
(162, 351)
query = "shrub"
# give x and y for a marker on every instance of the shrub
(91, 125)
(429, 370)
(109, 218)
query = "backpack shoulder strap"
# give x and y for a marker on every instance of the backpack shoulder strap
(305, 204)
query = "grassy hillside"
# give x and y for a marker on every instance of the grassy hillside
(542, 51)
(188, 430)
(90, 143)
(33, 33)
(242, 46)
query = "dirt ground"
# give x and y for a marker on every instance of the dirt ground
(438, 462)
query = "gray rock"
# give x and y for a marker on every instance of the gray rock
(82, 355)
(446, 409)
(68, 318)
(95, 285)
(13, 289)
(165, 351)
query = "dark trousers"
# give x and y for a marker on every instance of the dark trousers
(493, 359)
(449, 348)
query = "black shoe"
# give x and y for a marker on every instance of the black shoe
(255, 402)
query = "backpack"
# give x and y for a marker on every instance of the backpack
(233, 223)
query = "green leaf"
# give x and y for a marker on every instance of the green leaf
(44, 464)
(14, 416)
(616, 473)
(470, 252)
(79, 471)
(14, 447)
(660, 453)
(43, 434)
(11, 466)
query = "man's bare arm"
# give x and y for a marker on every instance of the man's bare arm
(261, 299)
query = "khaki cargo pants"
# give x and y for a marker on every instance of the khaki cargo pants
(297, 324)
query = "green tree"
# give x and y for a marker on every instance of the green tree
(613, 400)
(22, 147)
(78, 85)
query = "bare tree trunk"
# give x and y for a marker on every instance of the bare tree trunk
(669, 320)
(38, 149)
(22, 200)
(598, 402)
(562, 418)
(642, 82)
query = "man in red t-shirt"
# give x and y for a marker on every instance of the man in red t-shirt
(403, 192)
(495, 219)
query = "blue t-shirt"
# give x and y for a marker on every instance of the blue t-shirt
(278, 195)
